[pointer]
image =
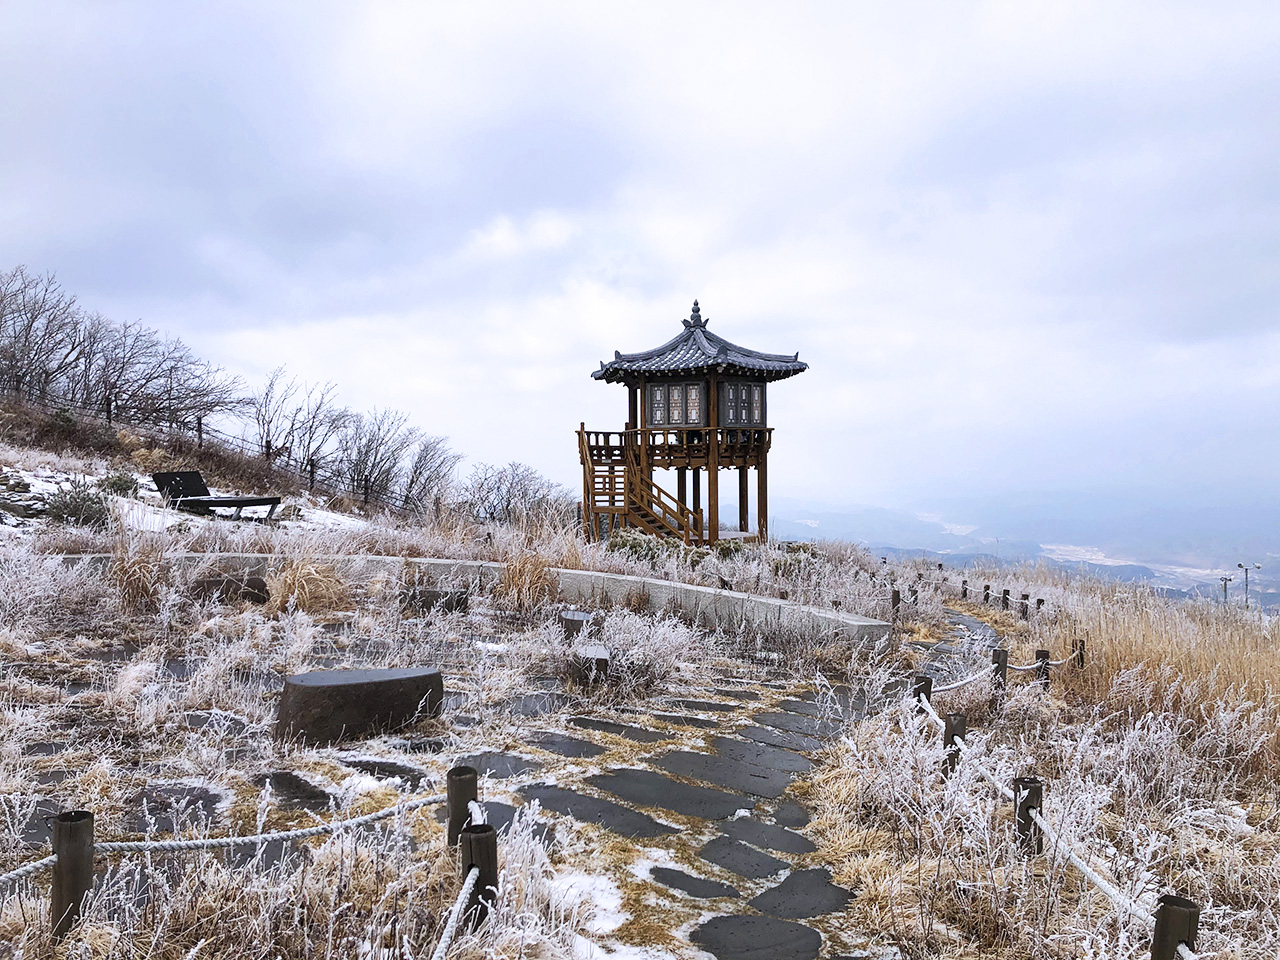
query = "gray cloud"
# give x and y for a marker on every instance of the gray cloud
(1021, 251)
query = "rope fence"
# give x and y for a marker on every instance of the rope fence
(1175, 922)
(467, 828)
(1026, 606)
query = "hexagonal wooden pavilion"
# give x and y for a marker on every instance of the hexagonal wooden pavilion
(697, 404)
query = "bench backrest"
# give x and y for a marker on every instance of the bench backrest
(181, 483)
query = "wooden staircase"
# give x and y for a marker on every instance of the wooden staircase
(617, 491)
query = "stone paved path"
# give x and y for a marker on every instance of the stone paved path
(695, 789)
(699, 784)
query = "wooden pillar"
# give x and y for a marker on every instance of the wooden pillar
(682, 485)
(633, 399)
(743, 497)
(697, 489)
(713, 462)
(762, 497)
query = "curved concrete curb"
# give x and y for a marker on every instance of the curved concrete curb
(709, 606)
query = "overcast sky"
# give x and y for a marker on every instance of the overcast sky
(1022, 246)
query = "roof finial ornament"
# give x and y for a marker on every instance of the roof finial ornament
(695, 318)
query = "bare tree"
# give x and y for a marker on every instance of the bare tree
(513, 494)
(430, 474)
(371, 452)
(314, 425)
(40, 333)
(272, 414)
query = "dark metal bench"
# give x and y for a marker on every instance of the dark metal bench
(186, 490)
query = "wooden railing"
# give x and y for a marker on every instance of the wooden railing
(674, 517)
(603, 447)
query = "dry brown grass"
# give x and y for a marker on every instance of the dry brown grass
(1159, 755)
(138, 568)
(527, 583)
(302, 585)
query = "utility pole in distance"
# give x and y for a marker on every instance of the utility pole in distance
(1245, 568)
(1225, 581)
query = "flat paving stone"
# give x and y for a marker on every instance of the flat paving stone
(216, 721)
(612, 816)
(566, 746)
(684, 720)
(781, 738)
(754, 752)
(624, 730)
(757, 938)
(171, 805)
(501, 815)
(649, 789)
(537, 704)
(711, 705)
(45, 749)
(794, 723)
(791, 814)
(768, 836)
(422, 745)
(500, 766)
(803, 707)
(387, 770)
(35, 831)
(754, 768)
(738, 694)
(805, 893)
(698, 887)
(737, 857)
(292, 792)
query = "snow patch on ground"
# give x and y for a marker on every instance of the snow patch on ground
(600, 892)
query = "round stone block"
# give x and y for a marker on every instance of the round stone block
(328, 705)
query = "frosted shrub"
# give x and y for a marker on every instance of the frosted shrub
(646, 652)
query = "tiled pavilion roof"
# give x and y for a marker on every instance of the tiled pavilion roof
(696, 350)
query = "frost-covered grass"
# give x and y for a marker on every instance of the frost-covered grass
(120, 681)
(1160, 758)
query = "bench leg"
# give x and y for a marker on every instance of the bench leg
(271, 511)
(236, 515)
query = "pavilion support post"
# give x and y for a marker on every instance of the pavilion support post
(762, 499)
(682, 485)
(713, 461)
(743, 496)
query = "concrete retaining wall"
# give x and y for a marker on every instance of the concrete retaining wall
(726, 609)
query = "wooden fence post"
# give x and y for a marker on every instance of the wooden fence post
(921, 686)
(73, 871)
(957, 726)
(1042, 668)
(915, 595)
(1004, 599)
(1028, 795)
(986, 594)
(1039, 605)
(999, 676)
(1024, 608)
(478, 847)
(964, 589)
(1077, 650)
(895, 600)
(1177, 921)
(460, 790)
